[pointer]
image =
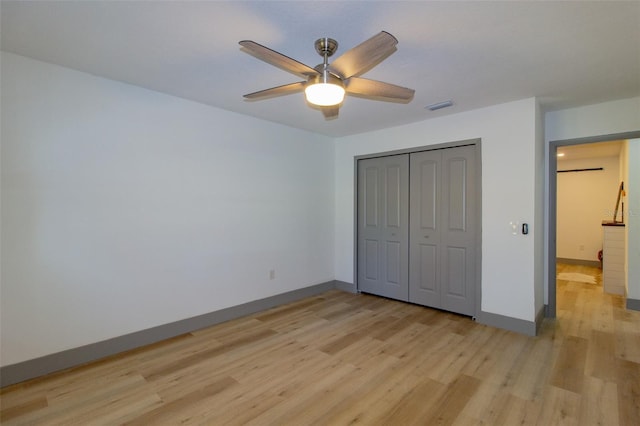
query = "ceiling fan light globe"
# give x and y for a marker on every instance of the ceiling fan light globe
(324, 94)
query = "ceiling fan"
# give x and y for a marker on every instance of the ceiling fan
(326, 84)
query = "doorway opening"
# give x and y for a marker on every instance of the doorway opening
(553, 248)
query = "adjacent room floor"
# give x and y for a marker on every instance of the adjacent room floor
(342, 358)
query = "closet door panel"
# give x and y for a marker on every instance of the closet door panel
(383, 214)
(394, 262)
(370, 197)
(368, 224)
(427, 168)
(455, 272)
(458, 238)
(371, 259)
(456, 209)
(424, 274)
(428, 263)
(393, 197)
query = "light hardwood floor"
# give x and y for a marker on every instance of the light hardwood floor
(341, 358)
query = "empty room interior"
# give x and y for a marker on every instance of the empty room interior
(193, 232)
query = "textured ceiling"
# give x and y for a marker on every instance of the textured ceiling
(475, 53)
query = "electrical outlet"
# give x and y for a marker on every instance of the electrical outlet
(272, 274)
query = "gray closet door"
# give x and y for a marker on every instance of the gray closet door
(383, 226)
(424, 252)
(443, 229)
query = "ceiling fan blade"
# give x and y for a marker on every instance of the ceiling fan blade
(277, 91)
(330, 112)
(378, 89)
(277, 59)
(364, 56)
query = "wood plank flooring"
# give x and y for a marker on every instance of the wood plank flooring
(340, 358)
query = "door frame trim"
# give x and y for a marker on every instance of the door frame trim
(477, 142)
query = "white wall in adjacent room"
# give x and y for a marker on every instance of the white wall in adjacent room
(125, 209)
(584, 200)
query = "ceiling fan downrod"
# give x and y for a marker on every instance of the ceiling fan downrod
(325, 47)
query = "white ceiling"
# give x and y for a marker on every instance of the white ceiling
(475, 53)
